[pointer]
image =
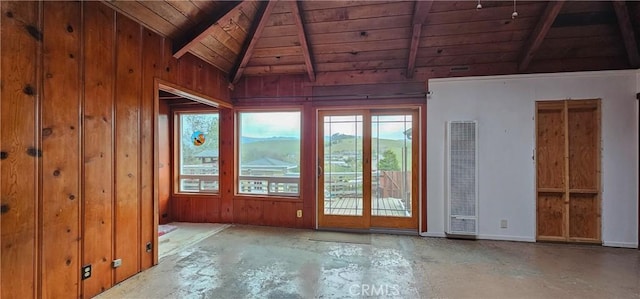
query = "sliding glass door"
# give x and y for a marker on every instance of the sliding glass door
(367, 170)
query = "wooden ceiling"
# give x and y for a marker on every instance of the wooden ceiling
(413, 39)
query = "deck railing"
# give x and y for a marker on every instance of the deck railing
(267, 185)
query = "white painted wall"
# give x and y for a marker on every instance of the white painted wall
(504, 107)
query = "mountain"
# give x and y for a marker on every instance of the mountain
(245, 140)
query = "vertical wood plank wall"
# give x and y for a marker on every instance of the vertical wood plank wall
(19, 101)
(229, 207)
(127, 137)
(77, 138)
(98, 179)
(60, 208)
(151, 67)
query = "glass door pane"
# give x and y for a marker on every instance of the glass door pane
(391, 177)
(343, 165)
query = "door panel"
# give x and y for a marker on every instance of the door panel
(394, 169)
(568, 170)
(343, 162)
(550, 215)
(341, 178)
(367, 174)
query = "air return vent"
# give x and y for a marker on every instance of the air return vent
(462, 179)
(462, 68)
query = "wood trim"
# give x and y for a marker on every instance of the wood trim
(565, 178)
(302, 35)
(176, 130)
(264, 11)
(551, 239)
(550, 190)
(200, 31)
(413, 50)
(539, 33)
(423, 167)
(598, 103)
(190, 94)
(420, 12)
(628, 34)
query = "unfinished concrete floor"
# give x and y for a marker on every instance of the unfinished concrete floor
(264, 262)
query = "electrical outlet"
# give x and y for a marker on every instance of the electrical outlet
(86, 272)
(299, 213)
(503, 223)
(116, 263)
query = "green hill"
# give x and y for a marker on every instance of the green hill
(288, 150)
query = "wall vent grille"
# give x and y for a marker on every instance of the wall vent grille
(462, 178)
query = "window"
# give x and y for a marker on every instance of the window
(269, 158)
(198, 152)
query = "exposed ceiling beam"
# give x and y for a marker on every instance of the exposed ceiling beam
(539, 33)
(420, 12)
(252, 39)
(628, 34)
(302, 35)
(184, 43)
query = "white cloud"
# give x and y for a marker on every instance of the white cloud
(270, 124)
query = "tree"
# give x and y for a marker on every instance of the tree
(389, 161)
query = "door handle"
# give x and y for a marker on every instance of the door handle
(320, 171)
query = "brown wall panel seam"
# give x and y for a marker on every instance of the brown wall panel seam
(114, 165)
(81, 168)
(38, 145)
(140, 134)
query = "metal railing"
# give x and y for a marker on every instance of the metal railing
(267, 185)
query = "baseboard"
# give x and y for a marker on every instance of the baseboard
(620, 244)
(506, 238)
(433, 234)
(525, 239)
(482, 237)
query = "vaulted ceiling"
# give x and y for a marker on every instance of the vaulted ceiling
(411, 39)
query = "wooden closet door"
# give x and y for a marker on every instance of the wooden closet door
(568, 171)
(584, 170)
(551, 172)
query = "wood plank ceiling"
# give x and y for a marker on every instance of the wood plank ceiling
(431, 38)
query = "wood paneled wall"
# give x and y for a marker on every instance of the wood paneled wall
(231, 208)
(293, 91)
(77, 141)
(19, 144)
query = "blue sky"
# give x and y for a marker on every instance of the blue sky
(287, 124)
(270, 124)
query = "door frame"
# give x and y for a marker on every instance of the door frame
(163, 85)
(566, 105)
(367, 221)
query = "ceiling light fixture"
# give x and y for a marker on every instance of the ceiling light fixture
(515, 13)
(479, 6)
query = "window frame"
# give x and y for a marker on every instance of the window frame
(237, 148)
(177, 150)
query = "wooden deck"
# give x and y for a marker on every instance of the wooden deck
(353, 206)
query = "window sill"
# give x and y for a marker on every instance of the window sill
(215, 195)
(266, 198)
